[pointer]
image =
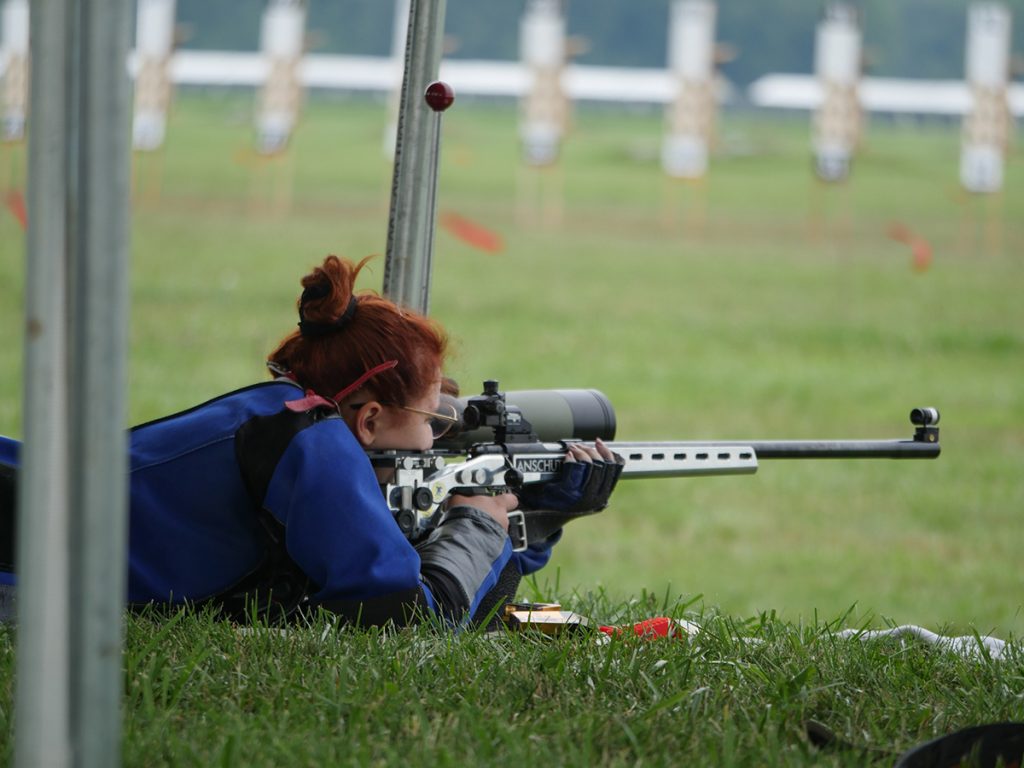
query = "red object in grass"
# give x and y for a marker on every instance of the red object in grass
(662, 626)
(471, 233)
(16, 205)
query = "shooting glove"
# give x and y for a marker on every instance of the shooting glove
(583, 489)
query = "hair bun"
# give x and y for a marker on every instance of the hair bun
(326, 293)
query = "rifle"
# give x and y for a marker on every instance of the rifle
(507, 441)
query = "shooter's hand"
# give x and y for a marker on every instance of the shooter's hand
(497, 507)
(589, 475)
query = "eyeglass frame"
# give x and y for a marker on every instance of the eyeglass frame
(449, 421)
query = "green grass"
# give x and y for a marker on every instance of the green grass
(202, 692)
(757, 304)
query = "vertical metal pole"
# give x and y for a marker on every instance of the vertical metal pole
(399, 33)
(410, 228)
(42, 731)
(73, 504)
(439, 96)
(99, 191)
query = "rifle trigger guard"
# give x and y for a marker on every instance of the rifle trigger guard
(517, 530)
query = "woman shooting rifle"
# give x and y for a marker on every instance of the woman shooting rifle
(264, 499)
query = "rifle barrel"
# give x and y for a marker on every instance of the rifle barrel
(845, 449)
(800, 449)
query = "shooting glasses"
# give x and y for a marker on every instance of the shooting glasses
(441, 420)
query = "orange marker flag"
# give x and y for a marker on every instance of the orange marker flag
(16, 205)
(471, 233)
(920, 249)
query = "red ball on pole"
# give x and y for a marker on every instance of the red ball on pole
(439, 96)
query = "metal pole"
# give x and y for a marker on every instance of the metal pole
(399, 36)
(410, 226)
(42, 730)
(439, 96)
(99, 191)
(73, 503)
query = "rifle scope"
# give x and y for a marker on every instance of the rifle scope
(554, 414)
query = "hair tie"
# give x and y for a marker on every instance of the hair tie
(311, 327)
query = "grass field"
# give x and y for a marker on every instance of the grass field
(757, 304)
(199, 692)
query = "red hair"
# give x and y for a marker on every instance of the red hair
(377, 331)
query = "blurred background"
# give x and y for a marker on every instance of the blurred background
(911, 38)
(746, 220)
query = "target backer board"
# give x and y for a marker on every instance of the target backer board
(154, 44)
(282, 40)
(545, 107)
(837, 65)
(14, 53)
(691, 115)
(986, 127)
